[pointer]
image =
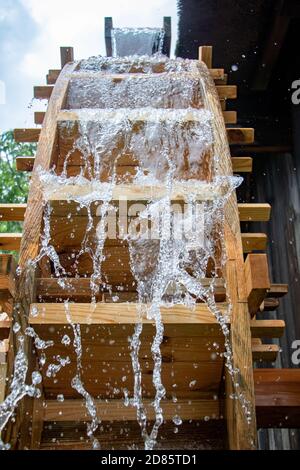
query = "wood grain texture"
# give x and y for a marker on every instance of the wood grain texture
(257, 280)
(241, 435)
(10, 241)
(42, 92)
(27, 135)
(12, 212)
(277, 393)
(75, 410)
(39, 117)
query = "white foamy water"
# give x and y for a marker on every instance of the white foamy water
(113, 121)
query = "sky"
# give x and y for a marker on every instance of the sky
(31, 32)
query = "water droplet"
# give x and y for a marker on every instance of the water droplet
(177, 420)
(36, 378)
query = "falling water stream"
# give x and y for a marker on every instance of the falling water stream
(160, 125)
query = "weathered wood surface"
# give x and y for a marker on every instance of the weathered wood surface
(241, 435)
(45, 157)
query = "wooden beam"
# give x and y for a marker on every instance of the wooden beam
(115, 410)
(205, 55)
(230, 117)
(3, 368)
(112, 313)
(167, 35)
(278, 290)
(5, 326)
(39, 117)
(12, 212)
(66, 55)
(265, 352)
(240, 136)
(241, 164)
(52, 76)
(222, 80)
(42, 92)
(49, 288)
(254, 212)
(257, 280)
(267, 328)
(131, 192)
(254, 242)
(108, 26)
(24, 163)
(10, 241)
(125, 313)
(277, 396)
(27, 135)
(269, 304)
(227, 91)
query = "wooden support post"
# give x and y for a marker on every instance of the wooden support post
(257, 280)
(25, 288)
(2, 380)
(108, 26)
(66, 55)
(167, 36)
(205, 55)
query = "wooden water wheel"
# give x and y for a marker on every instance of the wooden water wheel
(188, 335)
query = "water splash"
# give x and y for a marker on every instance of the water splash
(176, 239)
(140, 41)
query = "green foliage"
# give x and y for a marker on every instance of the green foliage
(13, 183)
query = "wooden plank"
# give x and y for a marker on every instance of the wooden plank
(240, 136)
(241, 164)
(227, 91)
(267, 328)
(12, 212)
(130, 192)
(24, 163)
(42, 92)
(27, 135)
(265, 352)
(4, 329)
(257, 280)
(10, 241)
(66, 55)
(3, 368)
(254, 212)
(230, 117)
(115, 410)
(254, 242)
(105, 313)
(52, 76)
(223, 80)
(269, 304)
(39, 117)
(278, 290)
(277, 396)
(115, 314)
(205, 55)
(38, 413)
(80, 288)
